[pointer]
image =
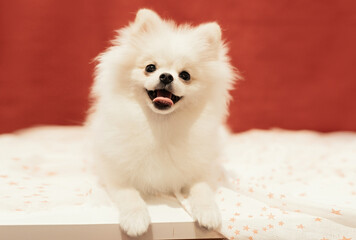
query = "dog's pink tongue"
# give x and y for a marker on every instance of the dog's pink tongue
(163, 97)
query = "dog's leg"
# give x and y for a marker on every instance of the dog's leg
(204, 208)
(134, 217)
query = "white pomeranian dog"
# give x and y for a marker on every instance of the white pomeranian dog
(161, 96)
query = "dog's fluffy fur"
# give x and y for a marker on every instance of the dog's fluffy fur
(141, 149)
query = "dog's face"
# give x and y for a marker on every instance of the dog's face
(174, 66)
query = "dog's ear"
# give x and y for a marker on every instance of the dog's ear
(210, 39)
(211, 32)
(146, 20)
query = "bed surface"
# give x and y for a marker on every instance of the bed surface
(279, 185)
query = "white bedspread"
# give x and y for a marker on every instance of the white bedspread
(46, 178)
(283, 184)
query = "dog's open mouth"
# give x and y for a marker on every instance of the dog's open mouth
(163, 99)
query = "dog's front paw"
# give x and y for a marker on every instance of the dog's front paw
(135, 222)
(207, 215)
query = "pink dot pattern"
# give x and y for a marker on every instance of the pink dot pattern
(278, 184)
(288, 185)
(43, 169)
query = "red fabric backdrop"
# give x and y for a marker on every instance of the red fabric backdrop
(297, 57)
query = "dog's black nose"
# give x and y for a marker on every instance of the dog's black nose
(166, 78)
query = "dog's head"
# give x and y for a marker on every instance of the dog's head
(171, 67)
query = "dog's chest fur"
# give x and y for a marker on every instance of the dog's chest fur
(156, 155)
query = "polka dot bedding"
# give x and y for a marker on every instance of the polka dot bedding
(289, 185)
(277, 184)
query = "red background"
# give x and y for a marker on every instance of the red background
(297, 57)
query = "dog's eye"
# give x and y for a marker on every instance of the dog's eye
(150, 68)
(184, 75)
